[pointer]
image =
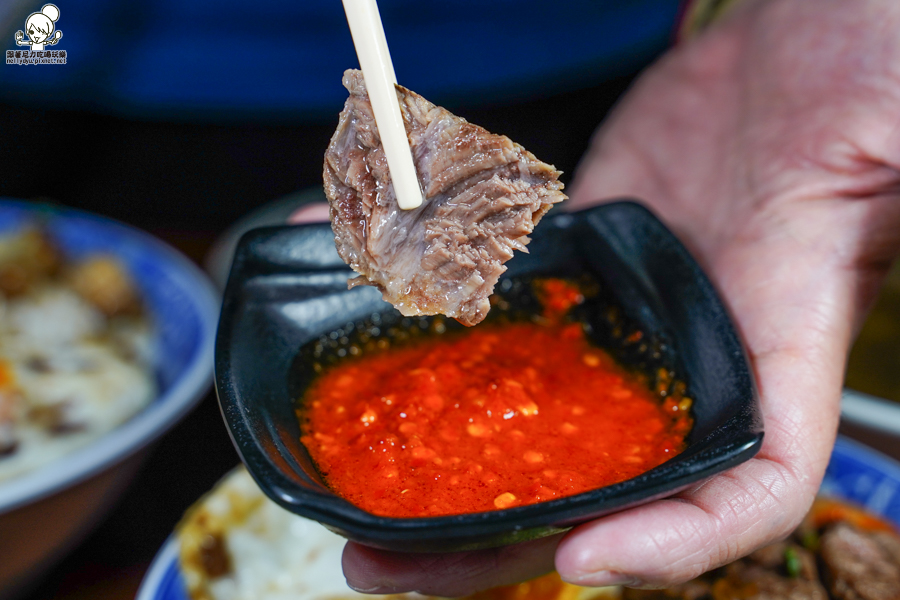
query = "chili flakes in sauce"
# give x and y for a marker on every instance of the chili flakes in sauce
(490, 418)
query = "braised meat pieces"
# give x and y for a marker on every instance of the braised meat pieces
(839, 553)
(764, 575)
(483, 196)
(862, 565)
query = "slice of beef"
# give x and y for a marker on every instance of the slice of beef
(483, 196)
(861, 565)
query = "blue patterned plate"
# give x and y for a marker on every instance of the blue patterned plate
(184, 309)
(855, 473)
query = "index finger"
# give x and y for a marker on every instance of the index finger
(311, 213)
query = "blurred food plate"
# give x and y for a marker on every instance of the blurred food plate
(235, 544)
(46, 509)
(855, 473)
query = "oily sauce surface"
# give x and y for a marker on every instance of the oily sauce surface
(494, 417)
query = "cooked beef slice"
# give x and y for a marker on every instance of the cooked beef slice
(483, 195)
(861, 565)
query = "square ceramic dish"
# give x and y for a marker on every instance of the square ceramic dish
(288, 287)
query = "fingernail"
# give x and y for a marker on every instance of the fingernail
(602, 578)
(378, 589)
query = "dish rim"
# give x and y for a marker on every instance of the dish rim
(875, 412)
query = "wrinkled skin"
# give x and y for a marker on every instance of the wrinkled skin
(771, 145)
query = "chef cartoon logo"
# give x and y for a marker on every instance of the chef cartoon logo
(40, 33)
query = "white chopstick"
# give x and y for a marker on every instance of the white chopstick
(378, 71)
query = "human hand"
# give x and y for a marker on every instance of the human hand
(20, 35)
(771, 146)
(309, 213)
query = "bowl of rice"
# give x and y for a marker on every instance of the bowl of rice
(106, 340)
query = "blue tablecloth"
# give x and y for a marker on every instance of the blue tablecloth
(200, 59)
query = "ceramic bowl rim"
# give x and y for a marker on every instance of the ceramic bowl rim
(166, 408)
(859, 408)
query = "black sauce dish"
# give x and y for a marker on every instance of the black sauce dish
(288, 288)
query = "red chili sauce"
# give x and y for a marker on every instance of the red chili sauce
(494, 417)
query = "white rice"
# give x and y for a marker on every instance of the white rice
(67, 360)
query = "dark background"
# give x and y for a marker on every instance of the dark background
(202, 177)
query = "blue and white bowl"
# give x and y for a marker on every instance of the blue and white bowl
(856, 473)
(42, 513)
